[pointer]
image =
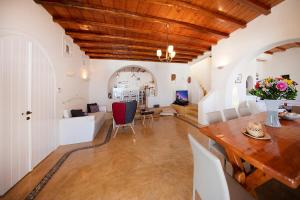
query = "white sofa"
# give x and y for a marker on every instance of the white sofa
(80, 129)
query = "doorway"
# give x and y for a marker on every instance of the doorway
(27, 104)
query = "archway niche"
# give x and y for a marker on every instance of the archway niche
(132, 83)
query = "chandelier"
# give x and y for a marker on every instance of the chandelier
(170, 53)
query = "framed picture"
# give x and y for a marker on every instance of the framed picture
(238, 78)
(173, 77)
(67, 47)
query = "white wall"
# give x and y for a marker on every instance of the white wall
(263, 33)
(102, 70)
(30, 19)
(287, 62)
(200, 73)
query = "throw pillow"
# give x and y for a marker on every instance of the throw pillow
(94, 108)
(77, 113)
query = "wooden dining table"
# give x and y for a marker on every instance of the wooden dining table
(277, 158)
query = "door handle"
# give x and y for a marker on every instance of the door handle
(28, 112)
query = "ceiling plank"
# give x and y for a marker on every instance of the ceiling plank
(256, 5)
(120, 44)
(280, 48)
(86, 23)
(132, 15)
(269, 52)
(203, 11)
(152, 51)
(112, 51)
(80, 34)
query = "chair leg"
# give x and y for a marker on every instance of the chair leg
(132, 129)
(116, 131)
(144, 119)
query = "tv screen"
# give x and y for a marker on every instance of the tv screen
(182, 95)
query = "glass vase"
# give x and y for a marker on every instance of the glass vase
(272, 113)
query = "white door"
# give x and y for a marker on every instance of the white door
(14, 142)
(43, 131)
(27, 85)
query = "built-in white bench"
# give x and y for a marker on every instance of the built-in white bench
(80, 129)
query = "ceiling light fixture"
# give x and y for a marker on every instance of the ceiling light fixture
(170, 53)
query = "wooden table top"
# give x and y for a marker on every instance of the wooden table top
(278, 157)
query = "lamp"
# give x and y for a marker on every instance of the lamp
(170, 53)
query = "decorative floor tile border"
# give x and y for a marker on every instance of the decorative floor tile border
(38, 188)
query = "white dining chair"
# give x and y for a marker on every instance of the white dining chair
(214, 147)
(244, 111)
(214, 117)
(210, 181)
(230, 113)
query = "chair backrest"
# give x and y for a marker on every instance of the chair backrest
(230, 114)
(244, 111)
(119, 111)
(296, 109)
(130, 111)
(214, 117)
(209, 178)
(124, 112)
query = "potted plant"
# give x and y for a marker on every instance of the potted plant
(272, 91)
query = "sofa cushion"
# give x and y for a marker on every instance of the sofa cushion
(94, 108)
(77, 113)
(89, 107)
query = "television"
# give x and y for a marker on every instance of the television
(181, 97)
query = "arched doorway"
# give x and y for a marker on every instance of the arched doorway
(132, 83)
(242, 66)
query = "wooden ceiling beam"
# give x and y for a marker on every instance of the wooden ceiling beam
(256, 5)
(203, 11)
(124, 44)
(132, 15)
(96, 36)
(134, 56)
(115, 57)
(269, 52)
(118, 53)
(145, 51)
(280, 48)
(86, 23)
(113, 51)
(137, 59)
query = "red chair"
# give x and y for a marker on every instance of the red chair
(123, 114)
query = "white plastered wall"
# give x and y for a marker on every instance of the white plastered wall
(236, 52)
(32, 20)
(102, 70)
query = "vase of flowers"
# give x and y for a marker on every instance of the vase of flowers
(272, 91)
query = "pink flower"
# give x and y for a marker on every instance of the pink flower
(282, 86)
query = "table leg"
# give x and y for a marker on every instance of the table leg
(251, 181)
(256, 179)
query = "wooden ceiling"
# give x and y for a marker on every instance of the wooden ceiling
(284, 47)
(135, 29)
